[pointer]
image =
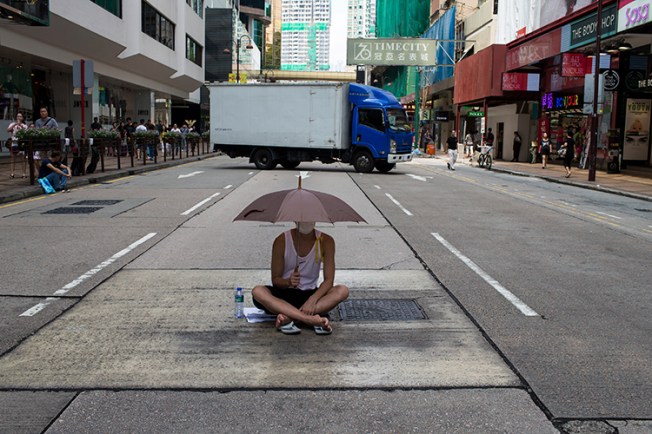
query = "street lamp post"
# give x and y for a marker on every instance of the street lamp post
(593, 144)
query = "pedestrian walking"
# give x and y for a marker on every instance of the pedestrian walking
(544, 150)
(451, 144)
(516, 145)
(14, 150)
(468, 145)
(569, 146)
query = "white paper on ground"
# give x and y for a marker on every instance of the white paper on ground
(256, 315)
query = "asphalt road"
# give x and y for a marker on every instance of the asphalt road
(536, 297)
(578, 258)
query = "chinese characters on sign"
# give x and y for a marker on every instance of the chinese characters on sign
(573, 65)
(415, 52)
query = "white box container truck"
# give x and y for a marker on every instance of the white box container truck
(279, 123)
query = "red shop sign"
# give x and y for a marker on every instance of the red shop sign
(573, 65)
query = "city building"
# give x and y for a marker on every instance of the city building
(147, 60)
(305, 35)
(361, 19)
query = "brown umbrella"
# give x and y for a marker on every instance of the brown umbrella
(299, 205)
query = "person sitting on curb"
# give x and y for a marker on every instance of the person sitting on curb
(297, 256)
(55, 171)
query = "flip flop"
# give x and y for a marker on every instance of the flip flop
(319, 330)
(289, 329)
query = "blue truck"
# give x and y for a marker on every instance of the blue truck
(287, 123)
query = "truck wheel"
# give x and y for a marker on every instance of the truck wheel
(263, 159)
(363, 162)
(384, 166)
(290, 164)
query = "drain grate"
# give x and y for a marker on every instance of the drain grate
(97, 202)
(74, 210)
(380, 310)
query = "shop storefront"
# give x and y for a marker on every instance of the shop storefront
(635, 84)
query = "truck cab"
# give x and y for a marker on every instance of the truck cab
(380, 133)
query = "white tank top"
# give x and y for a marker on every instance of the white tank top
(309, 265)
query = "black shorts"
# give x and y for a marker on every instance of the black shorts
(296, 297)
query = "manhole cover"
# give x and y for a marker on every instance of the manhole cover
(97, 202)
(380, 310)
(74, 210)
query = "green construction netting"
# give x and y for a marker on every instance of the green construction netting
(401, 19)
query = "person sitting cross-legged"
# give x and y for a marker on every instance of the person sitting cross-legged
(55, 171)
(294, 296)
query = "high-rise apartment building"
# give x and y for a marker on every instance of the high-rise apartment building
(305, 35)
(361, 20)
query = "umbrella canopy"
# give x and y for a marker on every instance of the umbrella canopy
(299, 205)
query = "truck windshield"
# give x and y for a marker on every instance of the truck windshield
(398, 120)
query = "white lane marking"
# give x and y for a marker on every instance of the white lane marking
(228, 186)
(609, 215)
(200, 204)
(250, 173)
(398, 204)
(39, 307)
(377, 186)
(524, 308)
(103, 265)
(417, 177)
(188, 175)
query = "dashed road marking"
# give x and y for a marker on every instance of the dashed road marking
(188, 211)
(520, 305)
(398, 204)
(40, 306)
(609, 215)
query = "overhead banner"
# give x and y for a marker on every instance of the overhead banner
(402, 51)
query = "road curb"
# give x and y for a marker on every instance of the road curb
(565, 181)
(36, 190)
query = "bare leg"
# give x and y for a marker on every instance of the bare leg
(333, 297)
(275, 305)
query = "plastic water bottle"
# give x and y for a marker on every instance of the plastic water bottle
(239, 303)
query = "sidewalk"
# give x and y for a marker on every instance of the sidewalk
(13, 189)
(633, 182)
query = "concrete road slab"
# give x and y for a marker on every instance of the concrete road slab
(30, 412)
(14, 328)
(443, 411)
(163, 329)
(211, 240)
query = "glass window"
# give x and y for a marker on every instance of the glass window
(157, 26)
(197, 6)
(193, 51)
(372, 118)
(113, 6)
(398, 120)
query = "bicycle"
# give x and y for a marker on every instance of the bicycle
(485, 159)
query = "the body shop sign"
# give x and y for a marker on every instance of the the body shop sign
(584, 31)
(633, 13)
